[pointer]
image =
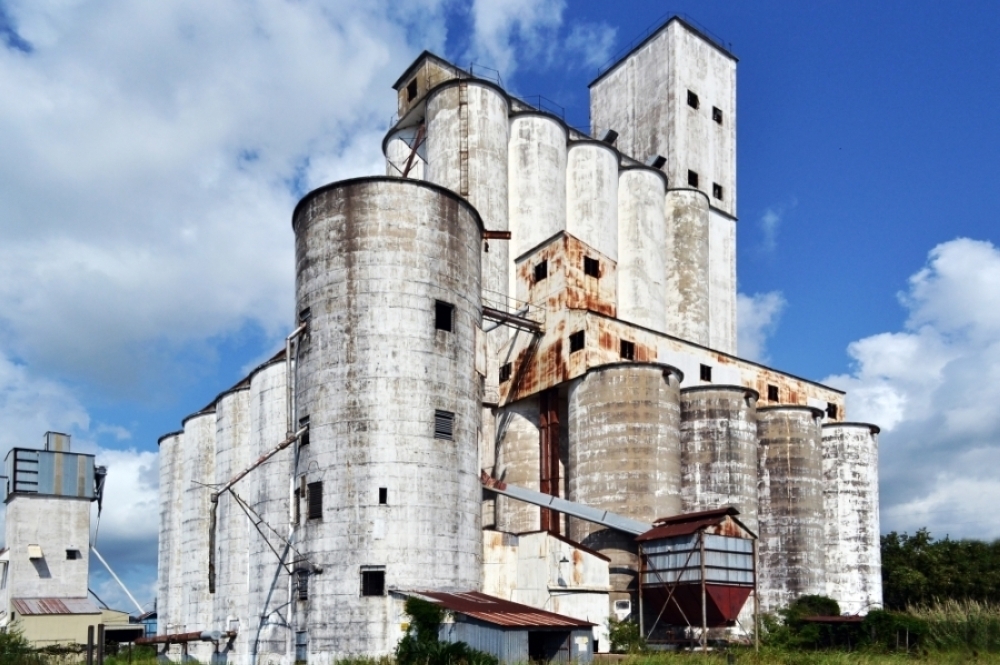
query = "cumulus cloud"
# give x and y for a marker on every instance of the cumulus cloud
(757, 318)
(511, 33)
(151, 157)
(933, 388)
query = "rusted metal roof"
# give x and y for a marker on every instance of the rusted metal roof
(502, 612)
(685, 525)
(32, 606)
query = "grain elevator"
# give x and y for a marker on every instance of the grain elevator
(552, 308)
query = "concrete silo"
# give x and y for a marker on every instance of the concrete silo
(169, 559)
(719, 450)
(405, 152)
(790, 505)
(642, 248)
(232, 526)
(197, 470)
(688, 257)
(624, 456)
(850, 499)
(388, 276)
(592, 195)
(519, 463)
(537, 181)
(267, 491)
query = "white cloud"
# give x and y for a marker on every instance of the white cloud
(934, 388)
(511, 33)
(757, 318)
(770, 223)
(152, 157)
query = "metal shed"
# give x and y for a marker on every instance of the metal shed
(513, 632)
(696, 571)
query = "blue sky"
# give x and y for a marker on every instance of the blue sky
(151, 155)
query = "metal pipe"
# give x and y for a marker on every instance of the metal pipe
(260, 460)
(704, 608)
(181, 638)
(289, 393)
(120, 583)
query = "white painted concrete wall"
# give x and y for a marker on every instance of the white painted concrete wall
(592, 195)
(642, 249)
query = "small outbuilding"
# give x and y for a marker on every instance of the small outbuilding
(513, 632)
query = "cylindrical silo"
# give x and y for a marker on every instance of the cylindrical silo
(390, 271)
(518, 463)
(719, 450)
(850, 499)
(642, 248)
(790, 505)
(628, 413)
(537, 175)
(168, 585)
(268, 489)
(592, 195)
(232, 525)
(196, 476)
(405, 152)
(687, 221)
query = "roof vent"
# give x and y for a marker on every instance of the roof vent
(656, 161)
(610, 137)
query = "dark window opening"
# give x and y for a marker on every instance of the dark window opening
(383, 496)
(304, 439)
(541, 271)
(305, 314)
(692, 100)
(505, 372)
(73, 554)
(831, 410)
(411, 90)
(627, 350)
(302, 584)
(576, 341)
(717, 114)
(444, 425)
(301, 646)
(444, 313)
(692, 179)
(717, 190)
(706, 373)
(314, 493)
(591, 267)
(372, 582)
(772, 393)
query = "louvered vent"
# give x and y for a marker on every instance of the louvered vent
(444, 425)
(315, 500)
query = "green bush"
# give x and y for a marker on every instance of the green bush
(15, 650)
(625, 636)
(421, 645)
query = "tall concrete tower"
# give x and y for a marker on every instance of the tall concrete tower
(47, 494)
(674, 97)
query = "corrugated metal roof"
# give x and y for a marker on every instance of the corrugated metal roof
(685, 525)
(31, 606)
(502, 612)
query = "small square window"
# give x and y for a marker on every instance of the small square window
(505, 372)
(444, 313)
(627, 349)
(411, 90)
(541, 271)
(692, 179)
(576, 342)
(772, 393)
(373, 582)
(717, 190)
(591, 267)
(444, 425)
(383, 496)
(73, 555)
(692, 100)
(717, 114)
(706, 372)
(314, 493)
(831, 411)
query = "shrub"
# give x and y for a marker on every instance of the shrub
(625, 636)
(421, 645)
